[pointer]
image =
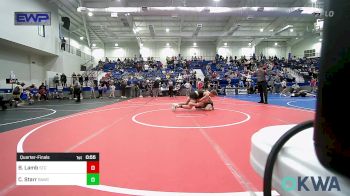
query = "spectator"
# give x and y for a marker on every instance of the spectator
(64, 80)
(112, 88)
(74, 78)
(81, 79)
(63, 44)
(92, 90)
(123, 88)
(17, 91)
(77, 91)
(313, 84)
(155, 89)
(56, 80)
(188, 87)
(42, 92)
(262, 83)
(86, 79)
(171, 88)
(100, 91)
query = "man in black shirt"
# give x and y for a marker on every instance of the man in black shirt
(262, 83)
(63, 80)
(63, 44)
(155, 89)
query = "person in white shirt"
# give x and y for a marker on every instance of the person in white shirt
(112, 94)
(92, 89)
(188, 88)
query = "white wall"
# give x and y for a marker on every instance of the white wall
(33, 68)
(123, 50)
(307, 44)
(269, 49)
(65, 63)
(98, 53)
(205, 49)
(159, 50)
(236, 49)
(28, 35)
(28, 68)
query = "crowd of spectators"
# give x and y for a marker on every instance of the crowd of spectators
(149, 77)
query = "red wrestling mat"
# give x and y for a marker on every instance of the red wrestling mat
(146, 149)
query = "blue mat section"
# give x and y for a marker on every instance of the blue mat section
(307, 103)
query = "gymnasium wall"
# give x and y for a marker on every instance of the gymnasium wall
(269, 49)
(236, 49)
(205, 49)
(98, 53)
(64, 63)
(28, 35)
(28, 68)
(159, 50)
(123, 50)
(32, 68)
(307, 44)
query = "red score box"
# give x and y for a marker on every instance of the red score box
(93, 167)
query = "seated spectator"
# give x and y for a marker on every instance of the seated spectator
(16, 92)
(42, 92)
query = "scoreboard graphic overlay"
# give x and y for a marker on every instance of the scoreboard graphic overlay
(57, 169)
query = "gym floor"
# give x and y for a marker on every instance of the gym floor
(145, 148)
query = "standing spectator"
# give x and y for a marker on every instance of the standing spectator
(71, 92)
(64, 80)
(188, 87)
(92, 89)
(262, 84)
(278, 84)
(100, 91)
(313, 84)
(171, 88)
(142, 88)
(137, 89)
(155, 90)
(86, 79)
(81, 79)
(56, 80)
(63, 44)
(123, 88)
(74, 78)
(112, 88)
(77, 91)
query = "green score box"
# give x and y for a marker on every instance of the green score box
(93, 179)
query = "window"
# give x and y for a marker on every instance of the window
(41, 31)
(310, 53)
(78, 52)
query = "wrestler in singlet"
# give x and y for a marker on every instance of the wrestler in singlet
(198, 95)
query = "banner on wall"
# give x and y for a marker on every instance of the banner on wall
(33, 18)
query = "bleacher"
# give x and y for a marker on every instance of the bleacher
(129, 71)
